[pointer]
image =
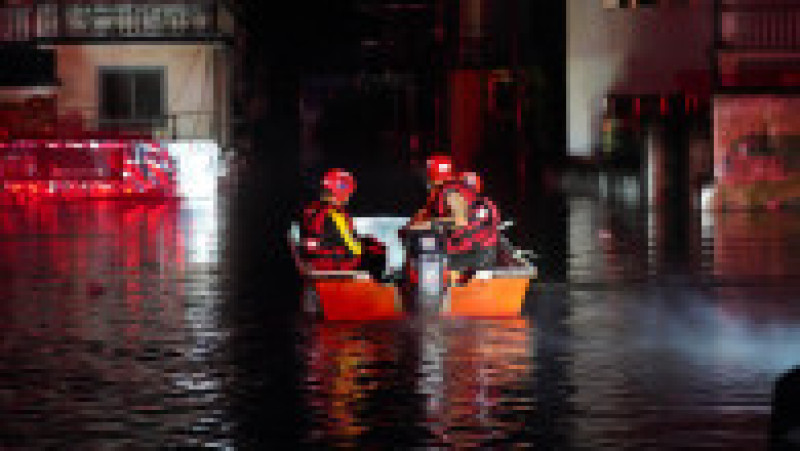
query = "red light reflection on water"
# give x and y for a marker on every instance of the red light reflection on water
(753, 245)
(463, 369)
(92, 268)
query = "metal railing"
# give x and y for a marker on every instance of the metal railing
(132, 19)
(758, 25)
(174, 125)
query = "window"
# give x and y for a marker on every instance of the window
(629, 4)
(132, 98)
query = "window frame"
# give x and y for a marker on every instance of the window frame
(133, 120)
(617, 6)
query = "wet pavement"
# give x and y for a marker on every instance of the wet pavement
(127, 326)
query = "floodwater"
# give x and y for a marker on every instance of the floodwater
(125, 326)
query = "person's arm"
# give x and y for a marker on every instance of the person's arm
(419, 216)
(420, 220)
(419, 225)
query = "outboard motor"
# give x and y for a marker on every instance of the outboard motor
(427, 259)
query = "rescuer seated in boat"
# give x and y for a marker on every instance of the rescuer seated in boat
(470, 218)
(328, 238)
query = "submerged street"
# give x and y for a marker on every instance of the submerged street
(400, 224)
(137, 324)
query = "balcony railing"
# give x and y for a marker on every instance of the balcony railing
(758, 25)
(116, 20)
(86, 122)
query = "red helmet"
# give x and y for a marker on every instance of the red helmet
(440, 168)
(339, 183)
(472, 180)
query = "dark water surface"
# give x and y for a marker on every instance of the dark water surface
(124, 327)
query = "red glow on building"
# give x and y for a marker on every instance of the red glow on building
(466, 114)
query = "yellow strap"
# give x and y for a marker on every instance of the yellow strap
(344, 231)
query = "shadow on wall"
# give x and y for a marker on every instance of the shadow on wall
(666, 50)
(676, 40)
(352, 128)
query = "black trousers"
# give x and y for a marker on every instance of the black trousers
(373, 257)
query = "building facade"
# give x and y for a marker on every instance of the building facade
(756, 103)
(645, 58)
(157, 68)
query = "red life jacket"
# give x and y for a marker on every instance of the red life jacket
(320, 244)
(482, 218)
(482, 223)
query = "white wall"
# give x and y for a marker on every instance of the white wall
(628, 51)
(189, 76)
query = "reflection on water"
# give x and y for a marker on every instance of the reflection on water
(748, 245)
(619, 245)
(452, 382)
(677, 366)
(118, 332)
(109, 333)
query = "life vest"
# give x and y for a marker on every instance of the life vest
(327, 238)
(481, 229)
(482, 218)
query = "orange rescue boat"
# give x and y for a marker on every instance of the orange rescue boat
(355, 295)
(499, 291)
(344, 295)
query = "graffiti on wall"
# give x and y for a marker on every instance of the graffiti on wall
(757, 149)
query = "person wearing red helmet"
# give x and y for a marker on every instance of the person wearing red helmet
(472, 180)
(483, 220)
(471, 240)
(328, 238)
(441, 182)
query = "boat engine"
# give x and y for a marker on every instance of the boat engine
(427, 259)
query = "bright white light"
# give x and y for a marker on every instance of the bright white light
(197, 168)
(385, 230)
(707, 197)
(196, 179)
